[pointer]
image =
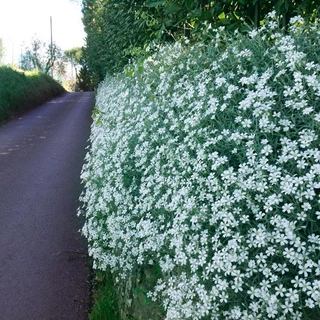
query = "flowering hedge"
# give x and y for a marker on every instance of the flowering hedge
(205, 162)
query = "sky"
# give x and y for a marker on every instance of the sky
(22, 20)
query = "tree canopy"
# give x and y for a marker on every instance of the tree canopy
(74, 56)
(43, 57)
(113, 28)
(119, 29)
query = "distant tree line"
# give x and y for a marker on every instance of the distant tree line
(43, 57)
(52, 60)
(119, 29)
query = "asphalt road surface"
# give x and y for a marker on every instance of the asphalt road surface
(42, 275)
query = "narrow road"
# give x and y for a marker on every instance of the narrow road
(42, 277)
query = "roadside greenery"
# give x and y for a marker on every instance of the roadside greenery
(43, 57)
(105, 298)
(205, 166)
(20, 91)
(119, 30)
(112, 31)
(51, 60)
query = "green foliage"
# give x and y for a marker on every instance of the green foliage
(105, 298)
(186, 17)
(20, 91)
(74, 54)
(117, 30)
(84, 80)
(204, 163)
(112, 31)
(75, 57)
(43, 57)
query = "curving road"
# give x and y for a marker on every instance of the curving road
(42, 277)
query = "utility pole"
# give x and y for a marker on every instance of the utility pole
(12, 57)
(51, 47)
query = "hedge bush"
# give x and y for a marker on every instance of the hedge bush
(205, 163)
(21, 91)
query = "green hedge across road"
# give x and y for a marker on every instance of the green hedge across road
(21, 91)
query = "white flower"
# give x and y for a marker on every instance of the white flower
(212, 176)
(287, 207)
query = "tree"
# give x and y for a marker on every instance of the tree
(74, 56)
(113, 30)
(2, 50)
(43, 57)
(117, 29)
(84, 80)
(186, 17)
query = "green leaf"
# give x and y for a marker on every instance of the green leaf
(95, 112)
(222, 16)
(287, 5)
(216, 10)
(155, 4)
(140, 69)
(225, 22)
(174, 8)
(138, 291)
(279, 7)
(129, 72)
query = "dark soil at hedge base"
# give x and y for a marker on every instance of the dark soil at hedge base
(20, 92)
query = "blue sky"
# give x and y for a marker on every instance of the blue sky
(21, 20)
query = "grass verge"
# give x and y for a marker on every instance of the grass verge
(125, 299)
(20, 91)
(104, 298)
